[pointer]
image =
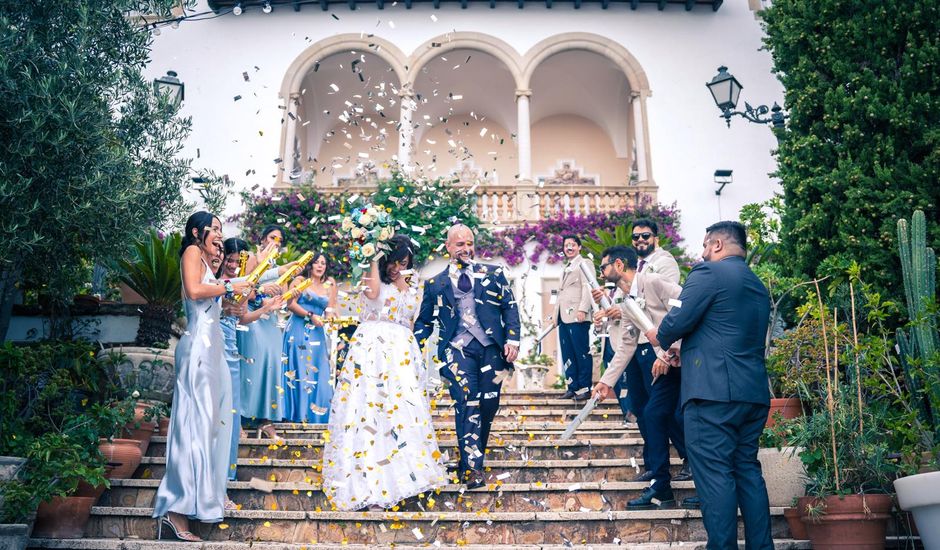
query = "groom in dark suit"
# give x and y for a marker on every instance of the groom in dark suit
(478, 319)
(721, 317)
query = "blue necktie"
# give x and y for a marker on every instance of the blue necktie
(463, 282)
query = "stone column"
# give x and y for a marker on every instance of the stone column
(291, 122)
(523, 134)
(639, 137)
(406, 129)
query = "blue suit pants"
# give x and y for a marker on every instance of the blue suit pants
(573, 339)
(723, 442)
(662, 424)
(471, 372)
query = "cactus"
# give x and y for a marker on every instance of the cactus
(919, 344)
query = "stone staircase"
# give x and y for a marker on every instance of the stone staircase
(541, 493)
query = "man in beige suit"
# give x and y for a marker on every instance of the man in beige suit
(658, 422)
(651, 257)
(573, 306)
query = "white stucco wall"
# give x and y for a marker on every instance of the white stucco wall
(678, 50)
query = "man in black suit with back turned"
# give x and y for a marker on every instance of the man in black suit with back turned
(721, 318)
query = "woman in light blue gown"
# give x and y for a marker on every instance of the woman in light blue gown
(262, 400)
(193, 486)
(307, 373)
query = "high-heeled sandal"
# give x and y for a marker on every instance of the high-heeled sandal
(186, 536)
(268, 432)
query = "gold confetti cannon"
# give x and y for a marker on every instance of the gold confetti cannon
(290, 294)
(295, 269)
(255, 275)
(242, 262)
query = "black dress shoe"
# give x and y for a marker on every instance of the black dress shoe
(693, 503)
(475, 479)
(567, 395)
(452, 467)
(685, 474)
(584, 396)
(645, 476)
(652, 499)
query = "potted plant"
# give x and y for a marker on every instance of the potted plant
(112, 420)
(533, 368)
(154, 274)
(919, 345)
(847, 445)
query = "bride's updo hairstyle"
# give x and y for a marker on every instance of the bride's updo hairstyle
(200, 221)
(401, 248)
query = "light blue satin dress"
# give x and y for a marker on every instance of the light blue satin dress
(260, 347)
(197, 451)
(233, 360)
(307, 389)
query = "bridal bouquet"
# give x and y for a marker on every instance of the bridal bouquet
(367, 228)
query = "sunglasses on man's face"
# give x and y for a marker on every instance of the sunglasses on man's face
(644, 236)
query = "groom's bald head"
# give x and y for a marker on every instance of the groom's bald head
(460, 242)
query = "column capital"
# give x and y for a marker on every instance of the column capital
(634, 95)
(294, 96)
(406, 91)
(523, 93)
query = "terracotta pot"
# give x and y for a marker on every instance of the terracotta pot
(63, 518)
(144, 432)
(797, 528)
(124, 453)
(844, 522)
(164, 426)
(790, 407)
(86, 490)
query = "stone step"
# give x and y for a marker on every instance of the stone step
(540, 414)
(520, 471)
(499, 495)
(498, 449)
(445, 527)
(541, 402)
(136, 544)
(499, 426)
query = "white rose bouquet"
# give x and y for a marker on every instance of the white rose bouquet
(368, 227)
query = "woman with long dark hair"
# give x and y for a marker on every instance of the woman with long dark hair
(306, 381)
(193, 486)
(382, 448)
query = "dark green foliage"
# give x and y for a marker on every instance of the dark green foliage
(312, 220)
(154, 273)
(862, 145)
(87, 152)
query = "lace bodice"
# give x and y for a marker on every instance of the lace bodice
(391, 305)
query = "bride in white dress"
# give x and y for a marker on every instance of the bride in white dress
(381, 447)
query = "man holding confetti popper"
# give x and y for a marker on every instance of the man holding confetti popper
(655, 296)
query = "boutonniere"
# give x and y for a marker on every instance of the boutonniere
(649, 268)
(641, 302)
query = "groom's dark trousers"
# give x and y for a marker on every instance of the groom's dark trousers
(471, 374)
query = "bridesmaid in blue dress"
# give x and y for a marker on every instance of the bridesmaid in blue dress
(307, 373)
(262, 400)
(193, 486)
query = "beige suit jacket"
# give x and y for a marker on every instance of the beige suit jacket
(662, 263)
(574, 294)
(657, 291)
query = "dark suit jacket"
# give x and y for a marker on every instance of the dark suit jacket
(496, 308)
(722, 321)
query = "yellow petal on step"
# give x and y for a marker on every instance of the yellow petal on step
(267, 524)
(223, 526)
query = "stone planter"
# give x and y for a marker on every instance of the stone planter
(853, 522)
(13, 536)
(920, 495)
(150, 371)
(63, 518)
(783, 473)
(531, 377)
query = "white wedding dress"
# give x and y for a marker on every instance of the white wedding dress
(381, 447)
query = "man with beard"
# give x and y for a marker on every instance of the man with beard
(652, 258)
(572, 310)
(721, 317)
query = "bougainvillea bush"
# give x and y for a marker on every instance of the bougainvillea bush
(312, 219)
(547, 234)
